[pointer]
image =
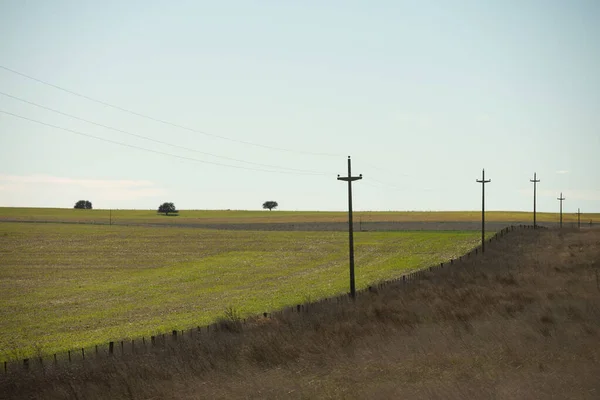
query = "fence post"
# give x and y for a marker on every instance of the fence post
(69, 355)
(153, 340)
(111, 348)
(174, 335)
(5, 367)
(82, 354)
(26, 363)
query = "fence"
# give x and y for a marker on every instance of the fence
(141, 345)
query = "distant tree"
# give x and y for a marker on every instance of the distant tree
(167, 208)
(83, 205)
(270, 205)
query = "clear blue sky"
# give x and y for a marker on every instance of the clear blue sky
(422, 95)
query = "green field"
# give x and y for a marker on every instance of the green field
(71, 286)
(233, 216)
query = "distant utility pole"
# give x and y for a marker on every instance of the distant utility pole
(535, 181)
(350, 179)
(561, 198)
(483, 182)
(110, 216)
(578, 218)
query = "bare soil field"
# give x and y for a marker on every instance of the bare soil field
(520, 322)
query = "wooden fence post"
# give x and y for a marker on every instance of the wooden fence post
(111, 348)
(174, 335)
(26, 363)
(96, 351)
(82, 354)
(153, 340)
(69, 355)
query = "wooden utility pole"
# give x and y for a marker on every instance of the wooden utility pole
(535, 181)
(561, 198)
(578, 218)
(110, 217)
(350, 179)
(483, 182)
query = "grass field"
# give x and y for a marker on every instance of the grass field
(225, 216)
(71, 286)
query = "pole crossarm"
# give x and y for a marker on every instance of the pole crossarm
(350, 179)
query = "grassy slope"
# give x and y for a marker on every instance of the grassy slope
(523, 322)
(223, 216)
(70, 286)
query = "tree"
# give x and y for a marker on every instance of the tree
(270, 205)
(83, 205)
(167, 208)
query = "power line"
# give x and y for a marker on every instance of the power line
(150, 150)
(154, 140)
(165, 122)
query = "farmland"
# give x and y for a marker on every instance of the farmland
(69, 286)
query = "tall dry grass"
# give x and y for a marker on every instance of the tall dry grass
(521, 322)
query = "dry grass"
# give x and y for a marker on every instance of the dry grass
(522, 322)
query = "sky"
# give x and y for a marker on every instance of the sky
(225, 105)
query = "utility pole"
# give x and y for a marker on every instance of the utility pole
(350, 179)
(110, 216)
(535, 181)
(561, 198)
(578, 219)
(483, 182)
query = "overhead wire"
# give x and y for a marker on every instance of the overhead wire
(154, 140)
(150, 150)
(162, 121)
